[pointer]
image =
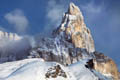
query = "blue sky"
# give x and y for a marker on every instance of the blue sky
(32, 17)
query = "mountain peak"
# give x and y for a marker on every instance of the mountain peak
(73, 9)
(75, 30)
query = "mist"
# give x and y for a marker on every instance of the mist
(11, 50)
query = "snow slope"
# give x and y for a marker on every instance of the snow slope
(31, 69)
(81, 72)
(37, 69)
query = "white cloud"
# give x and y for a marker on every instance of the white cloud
(91, 7)
(13, 50)
(18, 20)
(54, 14)
(54, 11)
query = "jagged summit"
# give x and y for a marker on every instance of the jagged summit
(73, 42)
(75, 30)
(73, 9)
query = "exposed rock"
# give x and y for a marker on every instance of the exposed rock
(75, 30)
(55, 71)
(71, 41)
(62, 52)
(104, 65)
(107, 68)
(119, 75)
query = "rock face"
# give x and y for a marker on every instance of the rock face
(72, 42)
(75, 30)
(55, 71)
(59, 50)
(105, 65)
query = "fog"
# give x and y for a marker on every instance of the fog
(11, 50)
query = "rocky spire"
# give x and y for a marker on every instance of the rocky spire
(75, 29)
(73, 42)
(73, 9)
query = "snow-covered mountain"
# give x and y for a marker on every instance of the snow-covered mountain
(68, 55)
(37, 69)
(73, 42)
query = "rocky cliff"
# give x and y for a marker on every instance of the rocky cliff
(75, 30)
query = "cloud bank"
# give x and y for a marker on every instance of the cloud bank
(11, 50)
(18, 20)
(54, 12)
